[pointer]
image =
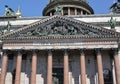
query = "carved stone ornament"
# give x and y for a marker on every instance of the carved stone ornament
(59, 28)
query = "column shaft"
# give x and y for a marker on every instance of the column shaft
(66, 68)
(4, 68)
(75, 11)
(68, 11)
(49, 68)
(50, 13)
(117, 66)
(81, 12)
(34, 68)
(18, 68)
(82, 67)
(100, 68)
(62, 12)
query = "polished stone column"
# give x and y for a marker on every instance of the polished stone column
(4, 68)
(68, 11)
(75, 11)
(34, 68)
(82, 67)
(99, 67)
(81, 12)
(49, 68)
(18, 68)
(62, 11)
(50, 13)
(117, 66)
(66, 68)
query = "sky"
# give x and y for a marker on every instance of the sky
(31, 8)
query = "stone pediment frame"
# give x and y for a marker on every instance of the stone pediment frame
(60, 27)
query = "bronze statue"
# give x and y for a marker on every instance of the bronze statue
(115, 8)
(8, 26)
(112, 23)
(58, 10)
(8, 11)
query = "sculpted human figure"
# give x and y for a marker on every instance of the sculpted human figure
(8, 11)
(58, 10)
(112, 23)
(115, 8)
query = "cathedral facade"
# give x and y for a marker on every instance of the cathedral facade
(69, 44)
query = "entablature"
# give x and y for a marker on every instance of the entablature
(42, 46)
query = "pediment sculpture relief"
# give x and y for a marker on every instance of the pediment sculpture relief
(60, 28)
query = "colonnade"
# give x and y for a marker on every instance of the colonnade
(65, 65)
(75, 11)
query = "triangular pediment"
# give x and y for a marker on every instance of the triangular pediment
(59, 26)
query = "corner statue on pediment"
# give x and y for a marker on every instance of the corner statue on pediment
(8, 11)
(5, 29)
(115, 8)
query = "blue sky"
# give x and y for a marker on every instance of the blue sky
(34, 7)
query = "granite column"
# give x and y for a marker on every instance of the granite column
(82, 67)
(99, 67)
(34, 68)
(49, 68)
(66, 68)
(117, 66)
(4, 67)
(18, 68)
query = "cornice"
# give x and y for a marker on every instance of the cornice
(60, 37)
(113, 33)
